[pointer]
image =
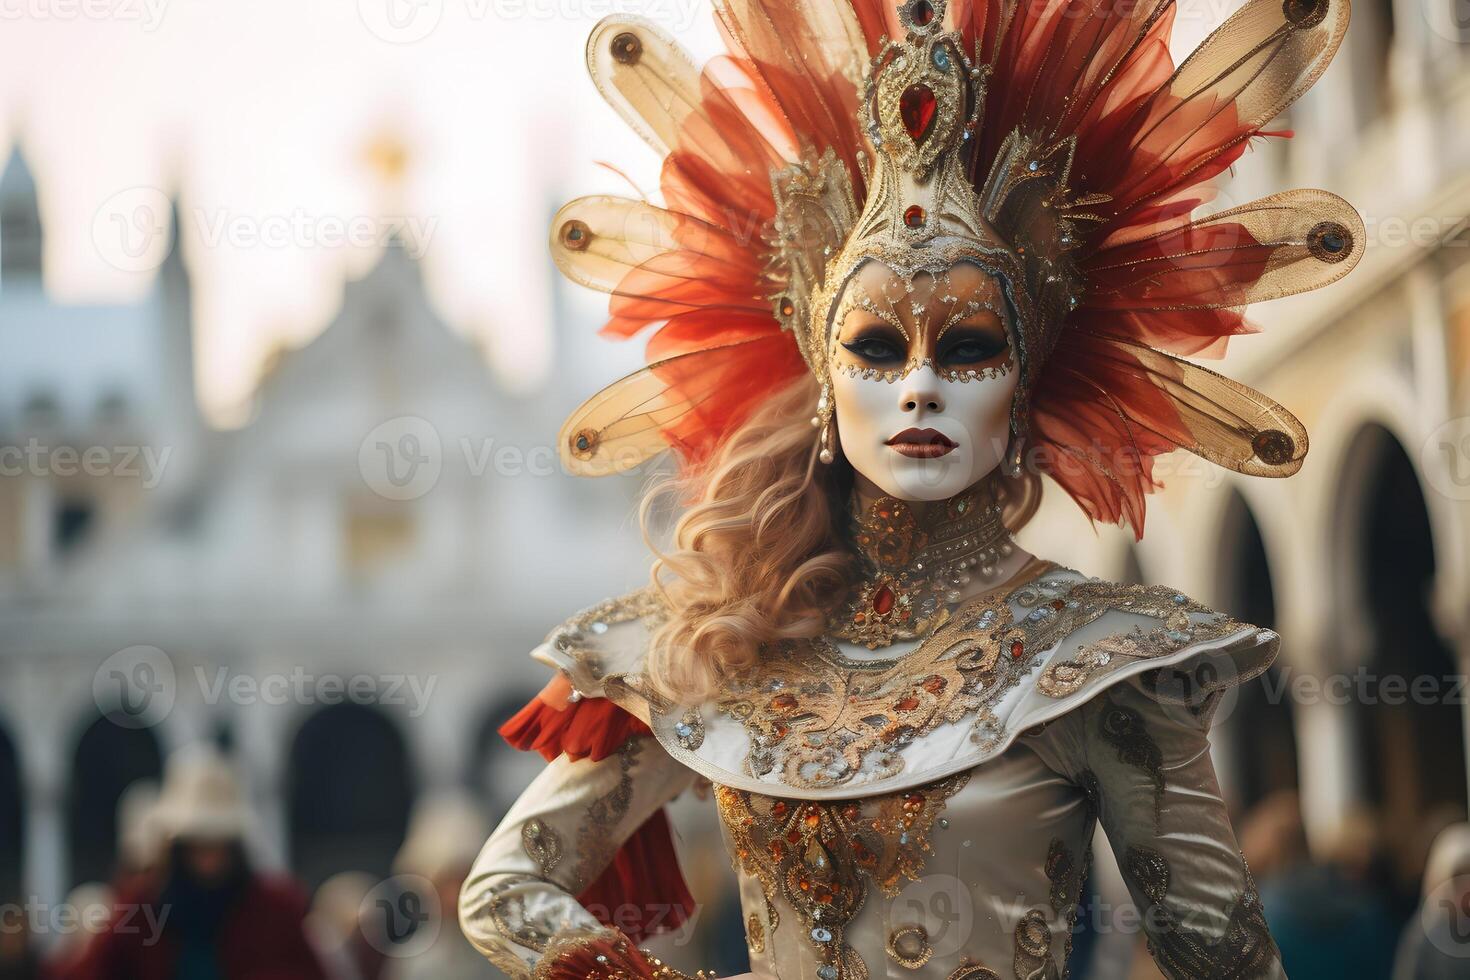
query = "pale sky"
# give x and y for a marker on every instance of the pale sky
(260, 113)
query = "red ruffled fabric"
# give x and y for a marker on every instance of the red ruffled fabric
(553, 724)
(642, 891)
(604, 955)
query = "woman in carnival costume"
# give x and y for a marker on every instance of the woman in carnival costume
(908, 260)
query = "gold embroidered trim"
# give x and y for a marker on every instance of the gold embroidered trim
(1067, 878)
(542, 845)
(1033, 947)
(1244, 952)
(689, 730)
(575, 637)
(595, 837)
(823, 719)
(911, 570)
(1090, 600)
(612, 953)
(1060, 868)
(909, 946)
(1092, 794)
(755, 934)
(973, 971)
(1123, 728)
(1148, 869)
(511, 920)
(819, 857)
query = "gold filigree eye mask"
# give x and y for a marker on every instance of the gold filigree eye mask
(922, 314)
(951, 136)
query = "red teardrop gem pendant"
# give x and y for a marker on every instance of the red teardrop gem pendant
(917, 106)
(883, 601)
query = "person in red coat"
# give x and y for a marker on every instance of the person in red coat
(209, 915)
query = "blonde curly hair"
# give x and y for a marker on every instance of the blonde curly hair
(760, 552)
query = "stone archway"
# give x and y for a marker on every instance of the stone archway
(1261, 726)
(109, 757)
(12, 818)
(350, 789)
(1410, 723)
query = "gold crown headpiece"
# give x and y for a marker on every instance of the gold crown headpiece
(923, 100)
(845, 131)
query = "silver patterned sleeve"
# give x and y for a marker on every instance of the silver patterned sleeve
(1144, 763)
(557, 838)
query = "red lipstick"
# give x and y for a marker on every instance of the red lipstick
(922, 443)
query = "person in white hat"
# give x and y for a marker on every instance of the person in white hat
(443, 838)
(141, 839)
(208, 915)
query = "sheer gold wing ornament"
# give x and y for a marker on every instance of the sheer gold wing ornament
(604, 242)
(1088, 163)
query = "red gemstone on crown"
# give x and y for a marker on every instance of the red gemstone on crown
(916, 107)
(883, 601)
(922, 12)
(913, 216)
(1017, 648)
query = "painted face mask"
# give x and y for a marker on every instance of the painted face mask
(1061, 156)
(923, 375)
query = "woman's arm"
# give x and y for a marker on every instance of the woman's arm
(556, 840)
(1145, 765)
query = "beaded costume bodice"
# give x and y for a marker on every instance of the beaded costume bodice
(933, 811)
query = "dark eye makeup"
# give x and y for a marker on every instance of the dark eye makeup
(877, 347)
(972, 345)
(961, 346)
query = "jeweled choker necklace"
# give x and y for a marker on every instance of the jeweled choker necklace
(913, 572)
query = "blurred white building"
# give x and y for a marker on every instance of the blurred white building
(390, 531)
(280, 549)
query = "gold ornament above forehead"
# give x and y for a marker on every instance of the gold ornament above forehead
(923, 101)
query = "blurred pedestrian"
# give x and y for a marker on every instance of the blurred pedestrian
(334, 926)
(142, 844)
(1326, 916)
(91, 906)
(1436, 942)
(444, 836)
(19, 959)
(208, 915)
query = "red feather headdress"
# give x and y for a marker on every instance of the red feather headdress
(1055, 137)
